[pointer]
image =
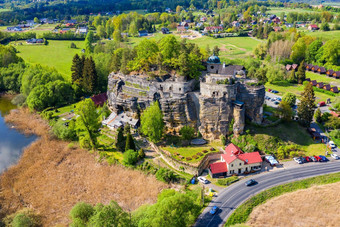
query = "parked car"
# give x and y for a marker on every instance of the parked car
(203, 180)
(313, 158)
(275, 92)
(250, 182)
(324, 159)
(335, 156)
(321, 104)
(278, 99)
(269, 90)
(213, 210)
(276, 103)
(318, 159)
(297, 160)
(308, 159)
(332, 144)
(303, 160)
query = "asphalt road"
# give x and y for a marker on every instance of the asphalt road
(233, 196)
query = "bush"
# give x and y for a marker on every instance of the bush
(19, 100)
(22, 218)
(188, 158)
(81, 214)
(205, 151)
(141, 154)
(199, 154)
(130, 158)
(65, 130)
(165, 175)
(289, 98)
(223, 139)
(226, 181)
(73, 46)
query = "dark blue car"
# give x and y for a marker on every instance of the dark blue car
(213, 210)
(324, 159)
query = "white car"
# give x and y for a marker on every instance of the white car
(297, 160)
(332, 144)
(203, 180)
(335, 156)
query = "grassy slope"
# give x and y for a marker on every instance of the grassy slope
(57, 54)
(291, 133)
(242, 213)
(322, 78)
(278, 10)
(325, 35)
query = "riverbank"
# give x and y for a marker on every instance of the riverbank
(52, 176)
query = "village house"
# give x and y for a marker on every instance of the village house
(334, 89)
(213, 29)
(235, 161)
(143, 33)
(329, 72)
(319, 85)
(336, 74)
(290, 67)
(327, 87)
(321, 70)
(203, 19)
(236, 24)
(14, 29)
(181, 29)
(34, 41)
(314, 82)
(276, 20)
(309, 67)
(277, 29)
(315, 68)
(313, 27)
(82, 30)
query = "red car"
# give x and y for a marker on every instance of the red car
(308, 159)
(322, 104)
(318, 158)
(269, 90)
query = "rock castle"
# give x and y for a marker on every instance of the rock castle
(218, 102)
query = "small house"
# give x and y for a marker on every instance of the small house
(277, 29)
(309, 67)
(313, 27)
(330, 72)
(185, 24)
(181, 29)
(336, 74)
(307, 79)
(82, 30)
(34, 41)
(295, 66)
(334, 89)
(203, 19)
(288, 67)
(276, 20)
(314, 82)
(315, 68)
(213, 29)
(320, 85)
(236, 24)
(321, 70)
(14, 29)
(327, 87)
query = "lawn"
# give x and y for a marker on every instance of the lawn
(278, 10)
(325, 35)
(57, 54)
(290, 133)
(44, 28)
(190, 151)
(283, 87)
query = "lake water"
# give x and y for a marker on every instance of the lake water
(12, 142)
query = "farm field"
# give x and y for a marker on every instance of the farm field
(44, 28)
(278, 10)
(57, 54)
(325, 35)
(323, 197)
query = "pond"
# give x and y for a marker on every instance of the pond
(12, 142)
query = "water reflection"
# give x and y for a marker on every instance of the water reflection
(12, 142)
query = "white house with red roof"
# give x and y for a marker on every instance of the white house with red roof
(235, 161)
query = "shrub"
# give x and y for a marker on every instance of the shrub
(226, 181)
(130, 157)
(199, 154)
(65, 130)
(188, 158)
(205, 151)
(141, 154)
(195, 157)
(74, 46)
(223, 139)
(212, 149)
(81, 213)
(289, 98)
(165, 175)
(19, 100)
(22, 218)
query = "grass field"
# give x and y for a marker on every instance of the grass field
(278, 10)
(190, 151)
(241, 214)
(322, 78)
(290, 133)
(231, 47)
(325, 35)
(57, 54)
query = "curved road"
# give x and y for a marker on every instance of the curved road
(233, 196)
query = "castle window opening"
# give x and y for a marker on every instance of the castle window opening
(180, 89)
(212, 67)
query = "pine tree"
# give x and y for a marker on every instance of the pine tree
(301, 73)
(317, 115)
(120, 140)
(90, 77)
(77, 69)
(306, 106)
(292, 78)
(130, 144)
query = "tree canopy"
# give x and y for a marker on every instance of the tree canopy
(152, 124)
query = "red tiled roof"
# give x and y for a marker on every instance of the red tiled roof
(233, 152)
(218, 167)
(334, 114)
(250, 158)
(314, 26)
(99, 99)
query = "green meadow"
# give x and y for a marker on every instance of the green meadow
(325, 35)
(57, 54)
(278, 10)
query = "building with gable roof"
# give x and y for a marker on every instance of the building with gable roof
(235, 161)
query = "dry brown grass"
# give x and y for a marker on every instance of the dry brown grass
(316, 206)
(51, 178)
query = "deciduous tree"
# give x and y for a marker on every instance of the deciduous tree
(306, 106)
(152, 124)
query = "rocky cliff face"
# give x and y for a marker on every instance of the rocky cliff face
(212, 110)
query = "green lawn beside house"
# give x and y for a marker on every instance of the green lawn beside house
(57, 54)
